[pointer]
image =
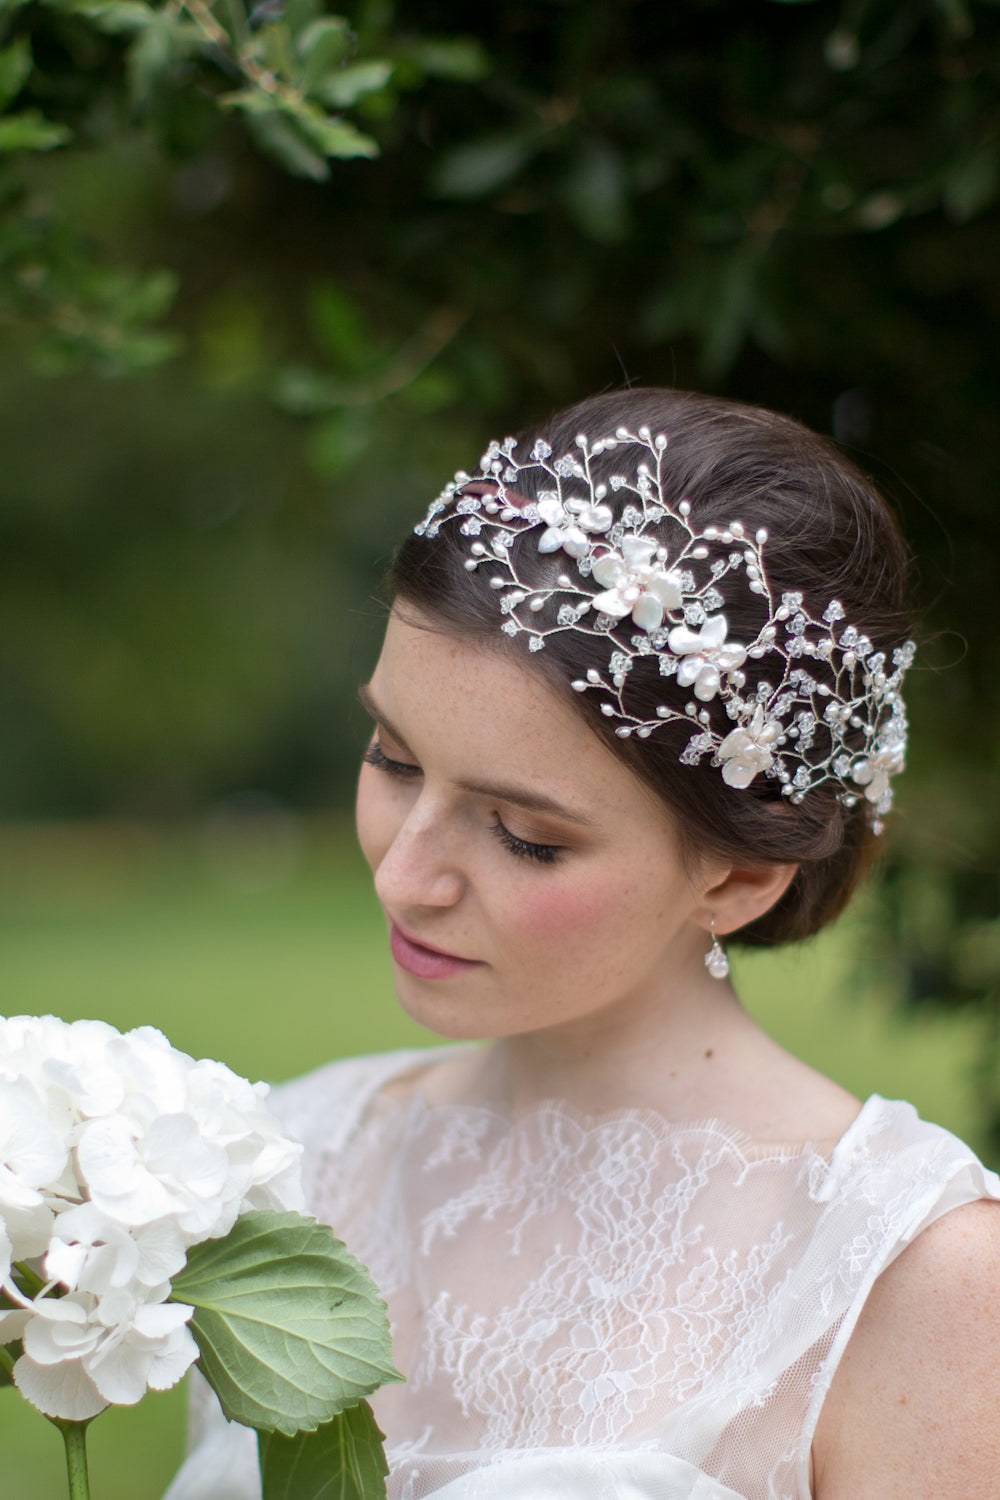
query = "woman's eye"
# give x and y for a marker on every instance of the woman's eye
(545, 854)
(376, 756)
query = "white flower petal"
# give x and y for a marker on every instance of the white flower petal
(688, 670)
(647, 612)
(173, 1361)
(65, 1263)
(738, 773)
(59, 1331)
(638, 551)
(609, 570)
(597, 518)
(683, 642)
(158, 1320)
(64, 1390)
(118, 1180)
(120, 1371)
(713, 632)
(32, 1153)
(611, 603)
(735, 743)
(161, 1252)
(174, 1147)
(574, 542)
(29, 1230)
(667, 588)
(13, 1324)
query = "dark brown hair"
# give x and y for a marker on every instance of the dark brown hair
(830, 536)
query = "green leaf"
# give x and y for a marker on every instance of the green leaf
(338, 323)
(331, 136)
(297, 134)
(307, 392)
(113, 16)
(156, 50)
(594, 191)
(322, 46)
(479, 167)
(347, 85)
(15, 65)
(290, 1327)
(273, 47)
(31, 131)
(461, 59)
(342, 1460)
(280, 139)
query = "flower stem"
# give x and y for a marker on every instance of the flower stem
(27, 1281)
(75, 1438)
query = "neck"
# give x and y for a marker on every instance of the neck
(680, 1054)
(691, 1054)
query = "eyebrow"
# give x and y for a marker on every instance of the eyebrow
(502, 791)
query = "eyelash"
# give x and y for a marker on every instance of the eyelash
(376, 756)
(543, 854)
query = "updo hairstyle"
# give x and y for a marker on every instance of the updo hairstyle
(830, 536)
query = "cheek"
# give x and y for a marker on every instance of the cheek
(373, 816)
(553, 915)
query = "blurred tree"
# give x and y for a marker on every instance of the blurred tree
(372, 239)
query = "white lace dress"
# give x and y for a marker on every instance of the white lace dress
(608, 1307)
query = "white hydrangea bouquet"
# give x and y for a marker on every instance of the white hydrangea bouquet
(150, 1218)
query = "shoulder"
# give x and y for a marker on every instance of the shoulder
(326, 1102)
(912, 1407)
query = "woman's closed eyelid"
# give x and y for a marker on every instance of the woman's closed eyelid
(375, 756)
(544, 854)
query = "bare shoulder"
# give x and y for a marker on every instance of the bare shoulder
(914, 1405)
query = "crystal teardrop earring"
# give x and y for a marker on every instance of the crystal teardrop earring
(716, 961)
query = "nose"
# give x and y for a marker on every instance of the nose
(419, 867)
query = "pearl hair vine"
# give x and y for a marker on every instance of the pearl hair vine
(830, 710)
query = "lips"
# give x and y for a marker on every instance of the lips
(423, 961)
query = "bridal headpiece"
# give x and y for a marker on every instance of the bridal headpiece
(826, 706)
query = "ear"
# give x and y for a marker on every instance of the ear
(742, 895)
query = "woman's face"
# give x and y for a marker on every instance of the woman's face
(528, 878)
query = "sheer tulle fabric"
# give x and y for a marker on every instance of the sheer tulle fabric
(591, 1306)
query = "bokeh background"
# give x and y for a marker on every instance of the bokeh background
(268, 274)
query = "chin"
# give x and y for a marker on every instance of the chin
(454, 1017)
(445, 1016)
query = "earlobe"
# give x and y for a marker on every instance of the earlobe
(744, 895)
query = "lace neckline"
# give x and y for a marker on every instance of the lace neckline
(420, 1108)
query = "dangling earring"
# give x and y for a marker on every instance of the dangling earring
(716, 961)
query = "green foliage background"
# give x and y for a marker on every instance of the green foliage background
(269, 273)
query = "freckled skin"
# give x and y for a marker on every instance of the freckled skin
(605, 924)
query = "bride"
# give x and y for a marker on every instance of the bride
(640, 693)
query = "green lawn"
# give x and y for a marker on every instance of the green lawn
(270, 954)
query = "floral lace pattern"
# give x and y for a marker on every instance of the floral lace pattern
(606, 1295)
